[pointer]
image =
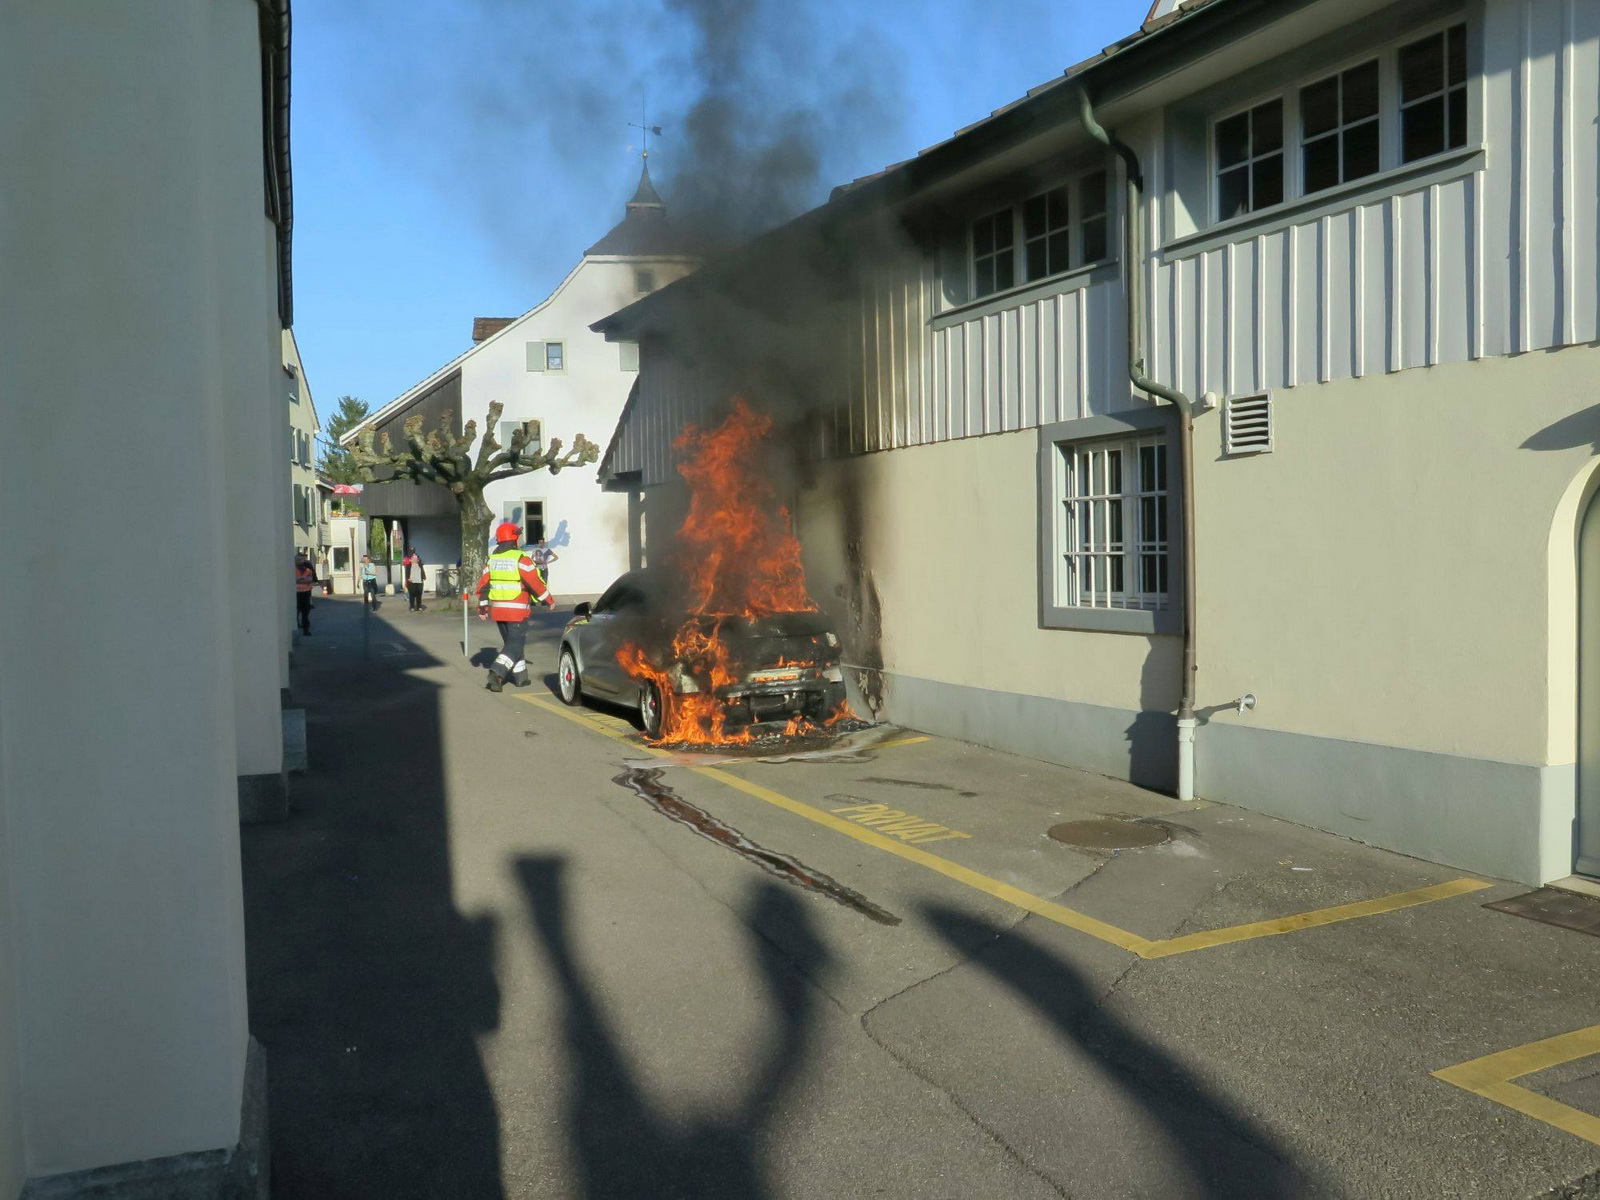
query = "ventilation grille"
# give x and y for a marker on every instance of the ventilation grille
(1247, 425)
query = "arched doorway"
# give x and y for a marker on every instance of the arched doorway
(1586, 835)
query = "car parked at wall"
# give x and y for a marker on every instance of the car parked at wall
(781, 666)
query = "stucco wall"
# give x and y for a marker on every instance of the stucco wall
(948, 536)
(117, 752)
(1384, 575)
(588, 528)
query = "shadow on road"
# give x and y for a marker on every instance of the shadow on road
(623, 1147)
(367, 987)
(1225, 1154)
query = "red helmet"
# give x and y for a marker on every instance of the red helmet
(507, 531)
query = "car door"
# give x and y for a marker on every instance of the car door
(612, 621)
(590, 639)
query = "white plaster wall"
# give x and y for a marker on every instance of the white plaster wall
(1385, 574)
(948, 534)
(1398, 571)
(117, 750)
(12, 1167)
(340, 530)
(586, 398)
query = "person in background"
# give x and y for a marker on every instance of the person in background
(507, 590)
(542, 557)
(305, 578)
(369, 582)
(416, 575)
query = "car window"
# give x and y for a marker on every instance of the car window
(624, 593)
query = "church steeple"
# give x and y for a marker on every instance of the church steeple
(645, 196)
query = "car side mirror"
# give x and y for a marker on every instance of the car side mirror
(582, 609)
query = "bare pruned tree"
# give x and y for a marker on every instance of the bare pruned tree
(440, 456)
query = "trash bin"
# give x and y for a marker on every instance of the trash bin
(444, 583)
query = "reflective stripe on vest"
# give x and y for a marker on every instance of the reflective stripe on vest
(505, 579)
(303, 580)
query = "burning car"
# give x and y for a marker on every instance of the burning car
(699, 677)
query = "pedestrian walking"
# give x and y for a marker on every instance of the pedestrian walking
(542, 557)
(305, 578)
(416, 576)
(507, 591)
(369, 582)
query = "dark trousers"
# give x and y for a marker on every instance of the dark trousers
(302, 610)
(508, 664)
(414, 591)
(369, 592)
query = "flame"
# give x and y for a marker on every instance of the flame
(740, 558)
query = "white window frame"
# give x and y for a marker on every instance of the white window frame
(1075, 596)
(1465, 87)
(1078, 260)
(1340, 125)
(1100, 532)
(993, 214)
(561, 350)
(644, 273)
(1389, 148)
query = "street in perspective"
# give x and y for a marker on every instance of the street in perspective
(1010, 608)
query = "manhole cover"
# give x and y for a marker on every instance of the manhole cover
(1110, 833)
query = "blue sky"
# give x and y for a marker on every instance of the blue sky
(452, 158)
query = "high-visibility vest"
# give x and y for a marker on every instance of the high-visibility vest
(505, 579)
(304, 577)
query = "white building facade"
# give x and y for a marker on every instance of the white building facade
(546, 366)
(148, 146)
(1368, 233)
(309, 525)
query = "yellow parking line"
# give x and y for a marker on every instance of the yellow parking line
(1309, 920)
(1491, 1076)
(1059, 913)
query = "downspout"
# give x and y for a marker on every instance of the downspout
(1133, 272)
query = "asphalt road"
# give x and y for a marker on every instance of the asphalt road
(500, 950)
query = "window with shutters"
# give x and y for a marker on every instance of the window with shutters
(535, 436)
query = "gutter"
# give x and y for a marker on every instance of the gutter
(1133, 270)
(275, 25)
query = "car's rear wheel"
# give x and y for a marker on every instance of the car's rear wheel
(568, 684)
(652, 710)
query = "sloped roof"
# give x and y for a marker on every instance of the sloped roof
(645, 230)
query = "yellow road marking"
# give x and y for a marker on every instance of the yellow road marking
(1059, 913)
(1309, 920)
(1491, 1076)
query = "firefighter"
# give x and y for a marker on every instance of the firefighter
(305, 578)
(507, 590)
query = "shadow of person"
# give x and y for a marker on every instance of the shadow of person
(561, 537)
(1225, 1154)
(623, 1146)
(368, 986)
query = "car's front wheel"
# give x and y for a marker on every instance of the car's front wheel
(652, 710)
(568, 684)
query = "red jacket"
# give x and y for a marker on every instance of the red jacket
(518, 609)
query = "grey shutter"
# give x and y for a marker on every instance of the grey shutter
(628, 352)
(535, 356)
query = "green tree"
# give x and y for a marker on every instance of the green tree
(337, 463)
(441, 457)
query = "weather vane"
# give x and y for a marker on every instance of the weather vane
(644, 126)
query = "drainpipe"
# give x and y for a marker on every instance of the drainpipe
(1133, 271)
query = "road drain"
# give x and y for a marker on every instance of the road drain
(646, 783)
(1110, 833)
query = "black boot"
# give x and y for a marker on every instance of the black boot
(495, 682)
